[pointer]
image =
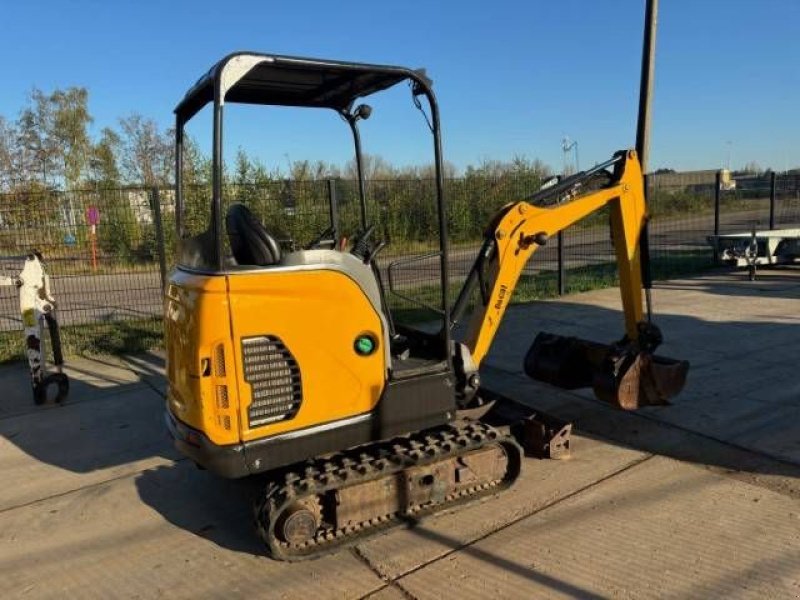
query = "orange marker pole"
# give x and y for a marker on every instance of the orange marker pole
(94, 247)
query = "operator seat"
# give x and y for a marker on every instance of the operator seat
(250, 242)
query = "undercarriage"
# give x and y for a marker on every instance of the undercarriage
(337, 501)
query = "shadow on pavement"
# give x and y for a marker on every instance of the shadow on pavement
(112, 416)
(215, 509)
(740, 409)
(515, 568)
(777, 280)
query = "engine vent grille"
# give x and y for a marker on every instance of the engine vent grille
(274, 379)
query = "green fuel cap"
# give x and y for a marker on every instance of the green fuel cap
(365, 345)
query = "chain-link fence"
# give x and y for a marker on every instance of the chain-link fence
(108, 278)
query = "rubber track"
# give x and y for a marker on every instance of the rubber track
(369, 463)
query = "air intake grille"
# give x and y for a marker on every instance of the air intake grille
(274, 379)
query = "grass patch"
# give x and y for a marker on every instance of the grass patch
(109, 337)
(603, 275)
(544, 285)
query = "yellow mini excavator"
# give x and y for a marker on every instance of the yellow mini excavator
(288, 362)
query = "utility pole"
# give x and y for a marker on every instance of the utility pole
(646, 83)
(643, 134)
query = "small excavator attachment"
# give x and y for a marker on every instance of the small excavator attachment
(626, 374)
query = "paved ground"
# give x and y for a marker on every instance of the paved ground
(700, 499)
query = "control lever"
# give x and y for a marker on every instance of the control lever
(327, 235)
(381, 245)
(361, 247)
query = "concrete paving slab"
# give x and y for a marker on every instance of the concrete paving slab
(90, 379)
(721, 417)
(721, 405)
(128, 520)
(149, 367)
(662, 529)
(734, 377)
(778, 391)
(542, 482)
(62, 448)
(784, 353)
(777, 433)
(714, 403)
(104, 541)
(388, 593)
(646, 431)
(755, 339)
(741, 340)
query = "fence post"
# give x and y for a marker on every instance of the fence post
(772, 194)
(562, 274)
(717, 189)
(155, 207)
(334, 210)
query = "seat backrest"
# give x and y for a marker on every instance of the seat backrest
(250, 242)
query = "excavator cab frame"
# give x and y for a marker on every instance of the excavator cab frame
(275, 80)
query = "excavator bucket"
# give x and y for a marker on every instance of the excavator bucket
(622, 374)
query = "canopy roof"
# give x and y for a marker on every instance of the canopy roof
(254, 78)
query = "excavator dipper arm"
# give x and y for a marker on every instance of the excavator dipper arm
(625, 373)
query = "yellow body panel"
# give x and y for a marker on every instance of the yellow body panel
(197, 328)
(317, 314)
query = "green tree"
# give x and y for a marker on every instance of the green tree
(8, 150)
(38, 155)
(146, 152)
(243, 168)
(374, 166)
(118, 233)
(70, 120)
(103, 167)
(52, 142)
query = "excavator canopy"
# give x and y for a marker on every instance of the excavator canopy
(253, 78)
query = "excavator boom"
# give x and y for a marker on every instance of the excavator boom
(624, 373)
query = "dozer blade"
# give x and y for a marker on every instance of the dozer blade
(621, 374)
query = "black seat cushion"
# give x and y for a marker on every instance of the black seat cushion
(250, 242)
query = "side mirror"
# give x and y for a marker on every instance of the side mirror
(362, 111)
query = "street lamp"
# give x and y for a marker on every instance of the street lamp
(567, 145)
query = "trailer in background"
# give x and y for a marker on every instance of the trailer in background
(758, 248)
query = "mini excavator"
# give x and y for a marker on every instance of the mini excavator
(288, 362)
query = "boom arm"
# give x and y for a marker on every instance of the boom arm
(625, 373)
(521, 228)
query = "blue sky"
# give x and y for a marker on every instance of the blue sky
(511, 77)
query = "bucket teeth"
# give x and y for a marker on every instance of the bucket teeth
(622, 374)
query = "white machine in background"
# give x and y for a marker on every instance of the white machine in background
(37, 307)
(758, 248)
